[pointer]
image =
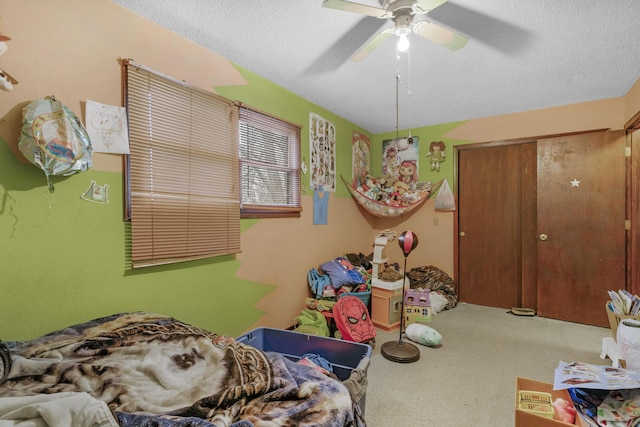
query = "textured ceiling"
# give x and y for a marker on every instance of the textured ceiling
(522, 54)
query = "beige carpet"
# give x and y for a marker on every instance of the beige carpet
(469, 380)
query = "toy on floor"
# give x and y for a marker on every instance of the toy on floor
(352, 320)
(423, 334)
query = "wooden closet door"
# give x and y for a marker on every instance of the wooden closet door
(581, 225)
(489, 225)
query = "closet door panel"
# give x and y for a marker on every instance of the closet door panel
(489, 226)
(581, 225)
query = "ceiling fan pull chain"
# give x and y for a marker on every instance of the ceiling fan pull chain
(409, 91)
(397, 105)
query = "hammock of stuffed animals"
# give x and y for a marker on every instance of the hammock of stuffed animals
(383, 209)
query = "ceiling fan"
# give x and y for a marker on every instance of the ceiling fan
(402, 13)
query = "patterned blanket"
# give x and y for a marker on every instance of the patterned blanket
(434, 279)
(154, 370)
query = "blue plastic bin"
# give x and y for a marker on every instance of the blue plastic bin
(345, 356)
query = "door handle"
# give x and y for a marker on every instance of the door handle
(543, 237)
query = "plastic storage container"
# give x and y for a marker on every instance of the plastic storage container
(345, 356)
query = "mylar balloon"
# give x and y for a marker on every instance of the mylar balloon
(53, 138)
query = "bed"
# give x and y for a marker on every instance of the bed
(150, 370)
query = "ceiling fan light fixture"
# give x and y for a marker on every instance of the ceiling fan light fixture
(403, 43)
(402, 30)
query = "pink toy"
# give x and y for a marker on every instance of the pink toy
(564, 411)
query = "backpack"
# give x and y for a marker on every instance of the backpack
(341, 272)
(352, 320)
(319, 283)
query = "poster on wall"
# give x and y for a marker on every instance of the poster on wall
(107, 128)
(360, 158)
(400, 159)
(322, 140)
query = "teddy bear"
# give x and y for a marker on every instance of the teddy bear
(386, 183)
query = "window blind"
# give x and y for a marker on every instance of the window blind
(269, 165)
(182, 170)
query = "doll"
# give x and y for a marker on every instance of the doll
(436, 153)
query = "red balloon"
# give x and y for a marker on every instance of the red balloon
(408, 242)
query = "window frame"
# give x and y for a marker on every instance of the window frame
(269, 123)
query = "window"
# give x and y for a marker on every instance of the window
(269, 166)
(182, 171)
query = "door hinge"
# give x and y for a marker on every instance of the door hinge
(627, 151)
(627, 224)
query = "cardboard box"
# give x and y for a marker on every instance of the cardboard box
(528, 419)
(615, 319)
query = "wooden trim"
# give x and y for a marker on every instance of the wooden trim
(239, 104)
(527, 139)
(456, 226)
(132, 63)
(633, 198)
(634, 122)
(630, 209)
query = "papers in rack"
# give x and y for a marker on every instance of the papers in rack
(624, 302)
(585, 375)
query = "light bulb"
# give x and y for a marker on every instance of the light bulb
(403, 43)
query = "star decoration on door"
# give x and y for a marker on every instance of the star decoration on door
(575, 183)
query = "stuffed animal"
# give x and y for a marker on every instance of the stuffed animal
(423, 334)
(410, 197)
(408, 175)
(408, 172)
(400, 187)
(394, 199)
(366, 185)
(436, 153)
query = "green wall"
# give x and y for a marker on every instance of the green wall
(64, 260)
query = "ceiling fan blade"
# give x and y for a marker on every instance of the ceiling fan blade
(372, 44)
(424, 6)
(440, 35)
(362, 9)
